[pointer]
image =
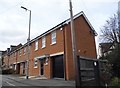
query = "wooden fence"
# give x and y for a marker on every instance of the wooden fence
(91, 71)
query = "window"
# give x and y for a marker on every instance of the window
(20, 51)
(11, 66)
(53, 37)
(35, 63)
(24, 50)
(15, 66)
(46, 61)
(36, 45)
(43, 42)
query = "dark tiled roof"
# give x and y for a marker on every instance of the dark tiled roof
(15, 47)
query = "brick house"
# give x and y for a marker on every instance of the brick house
(51, 52)
(1, 58)
(9, 56)
(105, 49)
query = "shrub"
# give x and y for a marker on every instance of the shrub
(115, 82)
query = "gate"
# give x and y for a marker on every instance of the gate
(90, 72)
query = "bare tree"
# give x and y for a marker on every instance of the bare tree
(110, 31)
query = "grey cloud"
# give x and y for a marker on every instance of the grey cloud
(11, 33)
(45, 15)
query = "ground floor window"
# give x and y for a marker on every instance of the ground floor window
(35, 63)
(46, 61)
(15, 66)
(11, 66)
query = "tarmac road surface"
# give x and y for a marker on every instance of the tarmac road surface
(11, 81)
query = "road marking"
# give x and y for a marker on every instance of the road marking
(10, 84)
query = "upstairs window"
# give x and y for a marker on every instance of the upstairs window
(43, 42)
(53, 37)
(20, 51)
(24, 50)
(36, 45)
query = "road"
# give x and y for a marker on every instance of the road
(9, 81)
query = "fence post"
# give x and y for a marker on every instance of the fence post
(79, 73)
(97, 73)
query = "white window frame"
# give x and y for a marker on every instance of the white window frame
(47, 61)
(36, 45)
(15, 66)
(53, 37)
(11, 66)
(20, 52)
(35, 62)
(24, 50)
(44, 42)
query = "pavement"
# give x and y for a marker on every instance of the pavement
(16, 80)
(33, 77)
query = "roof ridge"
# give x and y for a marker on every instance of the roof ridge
(60, 25)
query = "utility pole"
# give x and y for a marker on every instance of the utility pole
(28, 43)
(74, 49)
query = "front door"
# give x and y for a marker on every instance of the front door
(18, 68)
(23, 67)
(41, 66)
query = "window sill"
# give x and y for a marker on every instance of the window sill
(42, 47)
(35, 67)
(46, 64)
(53, 43)
(36, 50)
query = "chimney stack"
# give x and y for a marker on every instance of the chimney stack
(8, 50)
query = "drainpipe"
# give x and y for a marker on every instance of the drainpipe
(64, 51)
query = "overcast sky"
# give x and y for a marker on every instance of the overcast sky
(45, 15)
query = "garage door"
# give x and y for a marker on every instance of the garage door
(58, 67)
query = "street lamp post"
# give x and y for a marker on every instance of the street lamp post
(28, 43)
(74, 49)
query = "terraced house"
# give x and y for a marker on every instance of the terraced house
(51, 52)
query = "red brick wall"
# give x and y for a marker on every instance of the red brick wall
(49, 49)
(6, 60)
(85, 39)
(12, 59)
(85, 43)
